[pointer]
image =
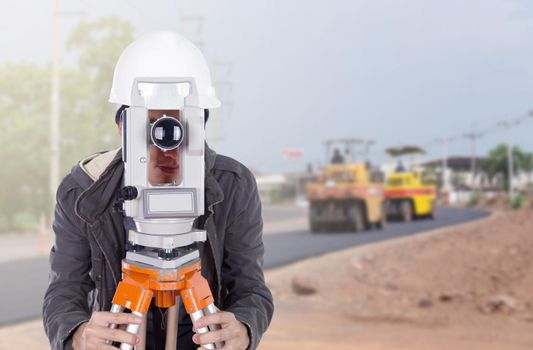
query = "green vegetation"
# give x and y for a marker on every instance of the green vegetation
(87, 123)
(517, 201)
(497, 163)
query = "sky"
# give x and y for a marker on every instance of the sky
(301, 72)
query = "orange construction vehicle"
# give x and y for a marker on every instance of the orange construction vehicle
(410, 193)
(348, 194)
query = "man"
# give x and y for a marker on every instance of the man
(90, 235)
(337, 158)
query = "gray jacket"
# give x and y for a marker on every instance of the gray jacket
(89, 246)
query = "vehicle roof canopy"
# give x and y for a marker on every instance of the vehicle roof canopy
(400, 151)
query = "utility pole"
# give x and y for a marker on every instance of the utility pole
(55, 96)
(55, 102)
(473, 136)
(444, 162)
(508, 124)
(510, 159)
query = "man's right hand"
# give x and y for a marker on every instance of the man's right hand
(94, 333)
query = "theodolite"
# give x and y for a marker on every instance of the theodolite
(162, 260)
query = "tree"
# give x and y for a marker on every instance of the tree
(88, 118)
(497, 163)
(24, 106)
(87, 123)
(526, 164)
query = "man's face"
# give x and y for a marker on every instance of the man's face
(163, 167)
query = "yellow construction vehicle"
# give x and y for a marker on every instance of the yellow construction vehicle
(410, 193)
(348, 194)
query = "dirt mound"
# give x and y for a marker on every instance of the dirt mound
(469, 287)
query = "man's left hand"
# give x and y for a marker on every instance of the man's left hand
(233, 332)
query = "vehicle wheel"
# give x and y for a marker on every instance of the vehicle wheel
(383, 221)
(355, 218)
(406, 211)
(317, 227)
(433, 214)
(314, 226)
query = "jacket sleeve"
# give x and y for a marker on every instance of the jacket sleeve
(65, 304)
(242, 268)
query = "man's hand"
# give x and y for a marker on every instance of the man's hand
(94, 333)
(233, 333)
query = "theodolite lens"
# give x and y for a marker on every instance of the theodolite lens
(166, 133)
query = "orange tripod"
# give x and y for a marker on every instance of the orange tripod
(141, 282)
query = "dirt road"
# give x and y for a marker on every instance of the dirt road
(466, 287)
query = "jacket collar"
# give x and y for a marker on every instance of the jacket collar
(213, 191)
(100, 195)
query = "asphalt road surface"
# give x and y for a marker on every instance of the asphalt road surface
(282, 249)
(24, 281)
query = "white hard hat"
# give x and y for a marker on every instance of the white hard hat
(162, 54)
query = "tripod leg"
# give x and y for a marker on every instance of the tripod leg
(172, 327)
(131, 328)
(209, 310)
(135, 296)
(142, 335)
(115, 309)
(195, 316)
(197, 298)
(199, 314)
